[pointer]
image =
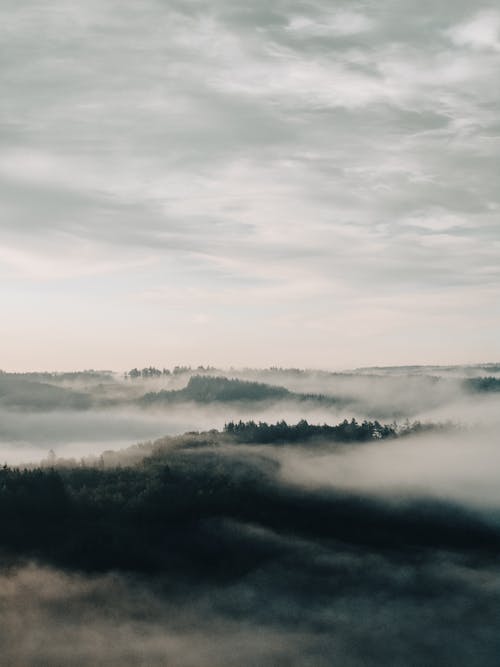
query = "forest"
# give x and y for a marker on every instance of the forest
(179, 512)
(91, 516)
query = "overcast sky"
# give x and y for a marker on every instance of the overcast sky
(249, 183)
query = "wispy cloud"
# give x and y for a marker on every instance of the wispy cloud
(482, 31)
(228, 147)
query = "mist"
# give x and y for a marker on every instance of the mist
(347, 607)
(111, 412)
(155, 534)
(461, 466)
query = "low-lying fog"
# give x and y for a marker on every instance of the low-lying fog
(266, 619)
(360, 609)
(87, 414)
(462, 467)
(312, 601)
(28, 436)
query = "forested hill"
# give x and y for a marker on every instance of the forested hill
(211, 510)
(20, 393)
(203, 389)
(346, 431)
(483, 384)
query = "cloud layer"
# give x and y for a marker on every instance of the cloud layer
(304, 183)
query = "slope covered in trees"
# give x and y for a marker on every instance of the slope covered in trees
(169, 512)
(18, 392)
(482, 385)
(209, 389)
(346, 431)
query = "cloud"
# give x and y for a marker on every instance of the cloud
(480, 32)
(336, 24)
(324, 144)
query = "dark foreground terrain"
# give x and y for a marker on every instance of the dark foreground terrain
(196, 551)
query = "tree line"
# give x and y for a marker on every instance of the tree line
(346, 431)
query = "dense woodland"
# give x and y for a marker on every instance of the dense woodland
(483, 384)
(346, 431)
(170, 511)
(219, 389)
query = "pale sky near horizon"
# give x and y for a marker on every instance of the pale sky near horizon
(310, 184)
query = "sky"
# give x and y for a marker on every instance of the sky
(251, 184)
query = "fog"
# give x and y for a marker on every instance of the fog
(192, 550)
(110, 414)
(28, 437)
(459, 466)
(348, 608)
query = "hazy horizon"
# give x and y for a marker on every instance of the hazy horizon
(240, 367)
